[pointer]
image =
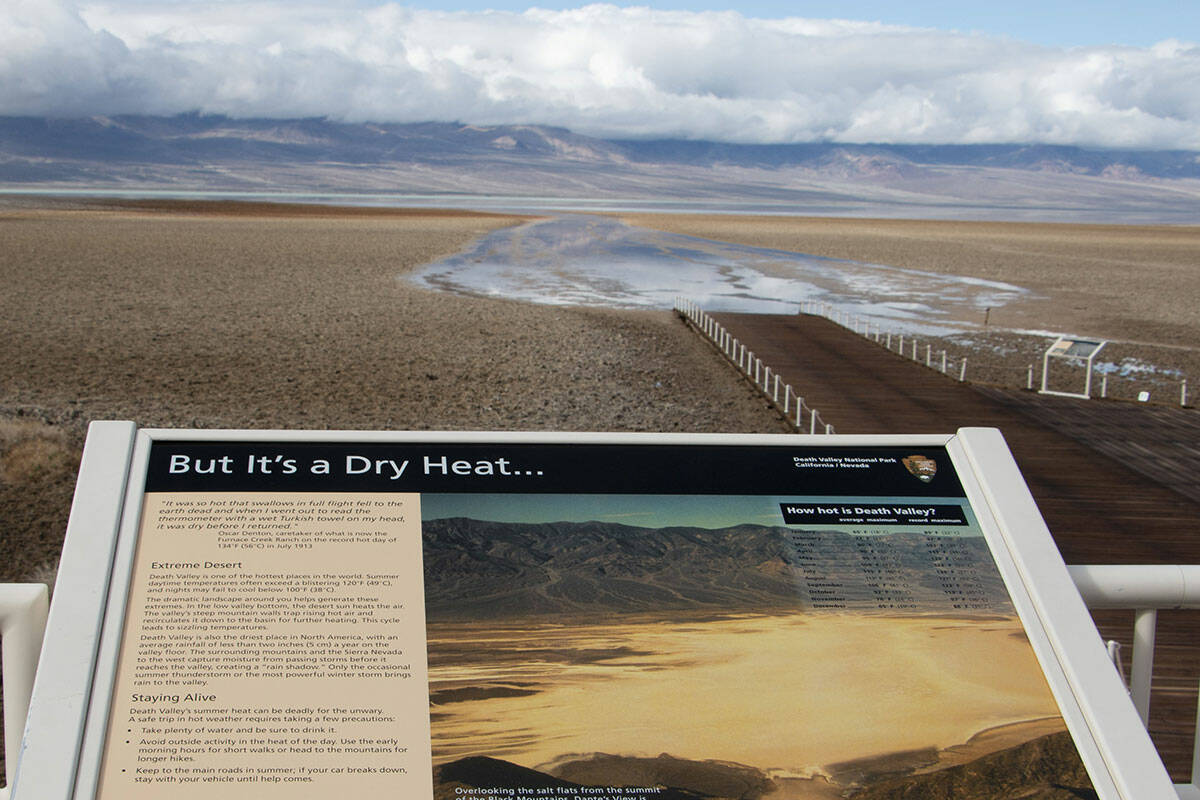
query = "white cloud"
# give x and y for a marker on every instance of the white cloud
(598, 69)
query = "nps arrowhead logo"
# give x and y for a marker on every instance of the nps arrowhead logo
(921, 467)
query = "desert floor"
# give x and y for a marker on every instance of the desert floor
(283, 316)
(947, 680)
(218, 315)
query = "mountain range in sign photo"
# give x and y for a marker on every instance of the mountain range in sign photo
(480, 569)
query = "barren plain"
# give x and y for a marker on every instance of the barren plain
(211, 314)
(260, 316)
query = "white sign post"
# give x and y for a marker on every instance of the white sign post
(1073, 351)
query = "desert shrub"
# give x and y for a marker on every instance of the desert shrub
(32, 451)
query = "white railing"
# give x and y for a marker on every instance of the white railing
(1144, 589)
(23, 609)
(768, 381)
(906, 346)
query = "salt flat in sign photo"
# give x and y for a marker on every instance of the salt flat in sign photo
(304, 614)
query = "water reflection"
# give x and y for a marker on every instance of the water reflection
(582, 259)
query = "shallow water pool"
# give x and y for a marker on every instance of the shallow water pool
(578, 259)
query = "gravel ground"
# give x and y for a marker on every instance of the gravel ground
(222, 316)
(226, 315)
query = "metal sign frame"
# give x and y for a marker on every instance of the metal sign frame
(64, 736)
(1071, 349)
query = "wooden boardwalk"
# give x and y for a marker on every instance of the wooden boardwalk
(1116, 484)
(1160, 442)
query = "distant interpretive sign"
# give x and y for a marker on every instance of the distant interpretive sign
(418, 616)
(1073, 351)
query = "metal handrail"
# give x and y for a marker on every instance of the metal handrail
(1142, 588)
(1145, 589)
(23, 609)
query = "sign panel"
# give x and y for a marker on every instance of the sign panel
(449, 616)
(273, 639)
(623, 620)
(1075, 348)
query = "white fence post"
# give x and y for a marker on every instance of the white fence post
(962, 370)
(1145, 589)
(764, 378)
(1144, 623)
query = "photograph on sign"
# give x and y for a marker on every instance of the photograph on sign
(705, 643)
(455, 620)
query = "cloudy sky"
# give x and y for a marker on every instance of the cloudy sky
(1093, 73)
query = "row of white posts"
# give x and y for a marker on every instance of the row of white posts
(1142, 396)
(869, 329)
(761, 375)
(907, 347)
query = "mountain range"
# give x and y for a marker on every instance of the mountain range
(195, 152)
(477, 569)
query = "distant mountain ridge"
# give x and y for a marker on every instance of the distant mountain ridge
(201, 152)
(476, 569)
(199, 139)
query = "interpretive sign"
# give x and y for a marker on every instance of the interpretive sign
(1075, 351)
(613, 617)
